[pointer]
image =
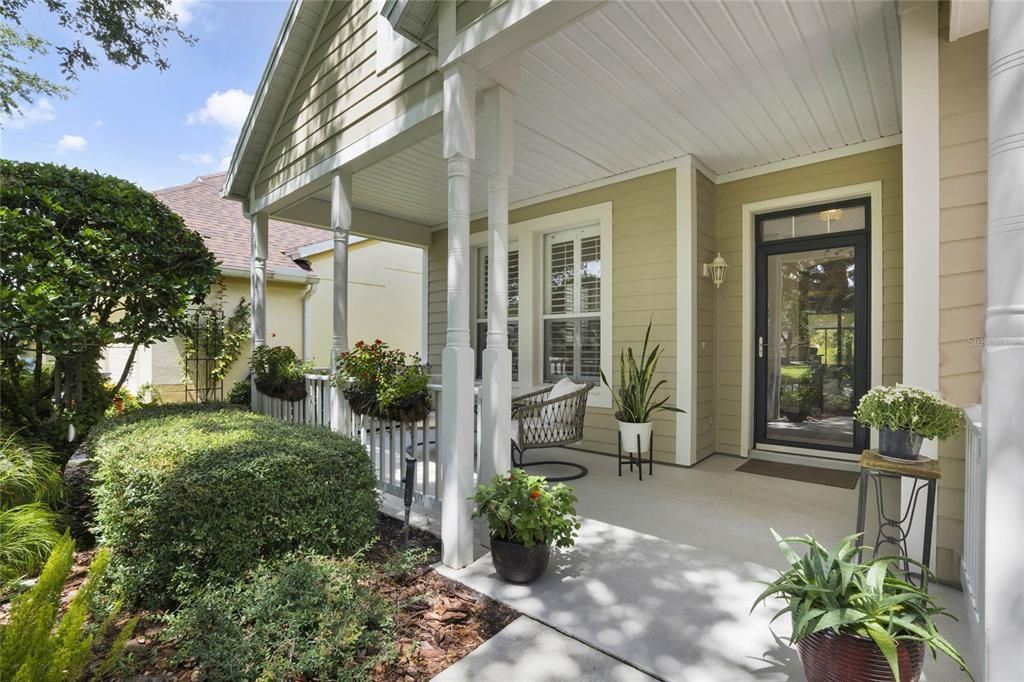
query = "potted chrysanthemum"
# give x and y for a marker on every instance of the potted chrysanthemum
(905, 416)
(526, 518)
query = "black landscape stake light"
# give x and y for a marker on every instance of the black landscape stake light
(410, 481)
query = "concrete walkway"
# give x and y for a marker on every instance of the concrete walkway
(528, 650)
(671, 610)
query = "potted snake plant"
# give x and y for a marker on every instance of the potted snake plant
(636, 397)
(856, 622)
(525, 517)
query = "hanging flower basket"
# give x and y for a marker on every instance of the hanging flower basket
(278, 373)
(384, 383)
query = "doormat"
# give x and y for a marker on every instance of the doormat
(802, 473)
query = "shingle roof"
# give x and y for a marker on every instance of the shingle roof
(226, 230)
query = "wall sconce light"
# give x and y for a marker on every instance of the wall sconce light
(716, 270)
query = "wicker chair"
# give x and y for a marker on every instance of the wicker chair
(542, 422)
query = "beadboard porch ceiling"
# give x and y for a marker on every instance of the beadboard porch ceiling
(738, 84)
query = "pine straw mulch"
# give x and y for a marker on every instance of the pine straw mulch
(439, 620)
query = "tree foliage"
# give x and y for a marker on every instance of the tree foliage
(128, 33)
(86, 261)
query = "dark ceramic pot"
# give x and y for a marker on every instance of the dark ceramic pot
(844, 657)
(899, 443)
(517, 563)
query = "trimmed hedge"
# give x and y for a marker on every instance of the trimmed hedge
(186, 495)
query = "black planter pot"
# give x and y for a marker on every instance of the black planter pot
(899, 443)
(517, 563)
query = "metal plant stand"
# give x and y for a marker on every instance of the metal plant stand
(639, 458)
(895, 530)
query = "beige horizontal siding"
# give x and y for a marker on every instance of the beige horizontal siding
(340, 97)
(963, 142)
(643, 287)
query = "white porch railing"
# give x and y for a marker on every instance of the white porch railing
(972, 563)
(387, 442)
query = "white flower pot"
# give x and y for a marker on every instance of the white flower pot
(629, 431)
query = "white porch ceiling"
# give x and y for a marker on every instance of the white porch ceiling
(738, 84)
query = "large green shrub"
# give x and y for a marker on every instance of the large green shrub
(186, 494)
(301, 617)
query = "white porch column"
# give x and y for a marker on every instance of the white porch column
(457, 371)
(258, 291)
(1003, 390)
(341, 225)
(496, 391)
(919, 23)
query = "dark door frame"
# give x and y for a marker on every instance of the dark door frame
(860, 240)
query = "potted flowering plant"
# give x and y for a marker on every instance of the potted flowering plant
(636, 396)
(526, 517)
(278, 372)
(384, 382)
(856, 621)
(905, 416)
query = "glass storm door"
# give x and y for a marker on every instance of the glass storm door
(812, 330)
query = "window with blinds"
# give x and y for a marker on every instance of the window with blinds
(513, 309)
(572, 305)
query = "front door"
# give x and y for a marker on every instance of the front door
(812, 330)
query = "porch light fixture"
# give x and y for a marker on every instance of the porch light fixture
(830, 215)
(716, 270)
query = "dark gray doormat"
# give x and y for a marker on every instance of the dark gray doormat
(799, 472)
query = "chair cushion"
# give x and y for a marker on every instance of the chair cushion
(564, 387)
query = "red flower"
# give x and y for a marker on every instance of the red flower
(378, 341)
(534, 494)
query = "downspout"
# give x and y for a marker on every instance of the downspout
(307, 319)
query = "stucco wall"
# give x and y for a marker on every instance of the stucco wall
(384, 297)
(963, 123)
(644, 287)
(884, 165)
(340, 96)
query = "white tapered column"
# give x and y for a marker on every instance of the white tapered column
(496, 391)
(341, 225)
(457, 370)
(1003, 390)
(258, 290)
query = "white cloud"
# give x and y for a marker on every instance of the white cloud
(228, 109)
(72, 143)
(98, 123)
(200, 159)
(40, 112)
(185, 9)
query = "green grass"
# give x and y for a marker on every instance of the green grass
(795, 372)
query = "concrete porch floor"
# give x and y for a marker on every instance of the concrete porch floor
(663, 574)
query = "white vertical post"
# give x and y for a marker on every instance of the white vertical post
(496, 391)
(258, 293)
(456, 450)
(920, 89)
(1004, 346)
(686, 311)
(341, 225)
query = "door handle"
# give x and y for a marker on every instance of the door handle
(760, 346)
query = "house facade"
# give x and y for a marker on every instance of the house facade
(385, 281)
(569, 168)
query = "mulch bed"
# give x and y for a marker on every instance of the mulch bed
(439, 620)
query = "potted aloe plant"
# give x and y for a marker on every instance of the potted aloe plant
(525, 517)
(856, 622)
(905, 416)
(636, 398)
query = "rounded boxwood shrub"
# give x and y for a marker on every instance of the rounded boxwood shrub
(189, 494)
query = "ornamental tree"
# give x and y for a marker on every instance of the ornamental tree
(89, 260)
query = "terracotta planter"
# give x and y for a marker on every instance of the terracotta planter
(844, 657)
(119, 404)
(517, 563)
(899, 443)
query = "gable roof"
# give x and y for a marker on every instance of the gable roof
(226, 230)
(300, 27)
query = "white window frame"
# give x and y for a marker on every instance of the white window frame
(478, 315)
(529, 235)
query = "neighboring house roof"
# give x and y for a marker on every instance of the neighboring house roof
(226, 230)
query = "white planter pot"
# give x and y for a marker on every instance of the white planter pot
(629, 431)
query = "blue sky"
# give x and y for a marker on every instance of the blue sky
(155, 128)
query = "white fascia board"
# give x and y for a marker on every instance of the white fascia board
(275, 275)
(324, 246)
(967, 17)
(314, 212)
